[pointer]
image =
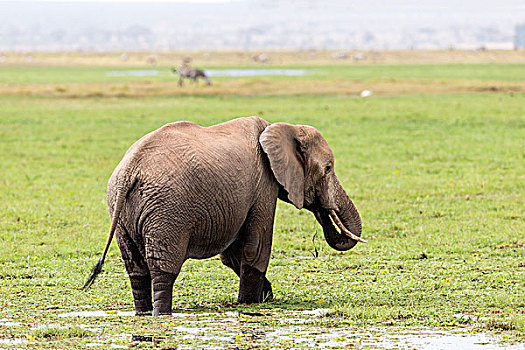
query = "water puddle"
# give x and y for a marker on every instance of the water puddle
(133, 73)
(215, 72)
(439, 340)
(276, 328)
(313, 312)
(13, 341)
(254, 72)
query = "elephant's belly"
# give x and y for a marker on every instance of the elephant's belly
(197, 220)
(204, 245)
(170, 238)
(215, 223)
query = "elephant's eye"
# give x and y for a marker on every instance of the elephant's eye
(327, 169)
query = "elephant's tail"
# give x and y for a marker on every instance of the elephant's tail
(122, 191)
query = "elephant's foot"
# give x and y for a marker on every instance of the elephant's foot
(162, 293)
(254, 287)
(267, 292)
(141, 289)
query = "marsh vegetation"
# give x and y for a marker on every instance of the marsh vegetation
(434, 161)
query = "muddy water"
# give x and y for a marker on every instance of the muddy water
(285, 329)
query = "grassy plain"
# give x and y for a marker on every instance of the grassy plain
(439, 179)
(81, 81)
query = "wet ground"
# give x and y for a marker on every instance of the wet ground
(254, 72)
(133, 73)
(215, 72)
(274, 329)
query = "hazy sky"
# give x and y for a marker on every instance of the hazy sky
(518, 5)
(363, 12)
(191, 1)
(178, 17)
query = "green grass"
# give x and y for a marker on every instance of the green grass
(62, 332)
(360, 72)
(409, 162)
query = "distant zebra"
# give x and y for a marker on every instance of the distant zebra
(186, 71)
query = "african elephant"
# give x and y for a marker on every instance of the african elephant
(186, 191)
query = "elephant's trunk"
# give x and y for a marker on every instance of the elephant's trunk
(345, 215)
(343, 229)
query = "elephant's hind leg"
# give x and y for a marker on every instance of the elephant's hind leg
(162, 292)
(166, 252)
(138, 271)
(141, 289)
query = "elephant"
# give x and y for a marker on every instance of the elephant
(187, 191)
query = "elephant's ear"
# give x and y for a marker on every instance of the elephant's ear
(281, 142)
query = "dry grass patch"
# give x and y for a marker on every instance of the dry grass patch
(261, 86)
(235, 58)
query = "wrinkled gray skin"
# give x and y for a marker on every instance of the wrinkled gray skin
(186, 191)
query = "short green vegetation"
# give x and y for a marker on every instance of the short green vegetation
(439, 180)
(79, 74)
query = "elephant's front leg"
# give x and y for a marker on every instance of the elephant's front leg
(232, 258)
(253, 286)
(256, 238)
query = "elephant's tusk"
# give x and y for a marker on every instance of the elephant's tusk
(344, 229)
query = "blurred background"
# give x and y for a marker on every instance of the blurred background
(261, 24)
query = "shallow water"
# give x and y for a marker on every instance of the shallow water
(253, 72)
(133, 73)
(435, 339)
(295, 329)
(214, 72)
(13, 341)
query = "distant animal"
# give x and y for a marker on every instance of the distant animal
(152, 60)
(187, 71)
(340, 55)
(261, 58)
(186, 191)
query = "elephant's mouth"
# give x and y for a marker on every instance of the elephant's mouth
(329, 220)
(342, 239)
(337, 221)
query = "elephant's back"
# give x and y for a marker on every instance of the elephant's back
(199, 179)
(179, 153)
(184, 149)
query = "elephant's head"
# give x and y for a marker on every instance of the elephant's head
(303, 164)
